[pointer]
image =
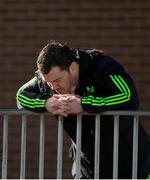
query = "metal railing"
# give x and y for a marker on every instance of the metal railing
(24, 114)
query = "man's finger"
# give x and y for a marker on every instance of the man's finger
(61, 95)
(60, 112)
(66, 99)
(57, 96)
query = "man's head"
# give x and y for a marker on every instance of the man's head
(58, 65)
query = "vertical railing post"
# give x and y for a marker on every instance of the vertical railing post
(115, 147)
(59, 147)
(5, 146)
(135, 147)
(23, 147)
(97, 147)
(41, 150)
(78, 143)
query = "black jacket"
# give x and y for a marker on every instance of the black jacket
(104, 85)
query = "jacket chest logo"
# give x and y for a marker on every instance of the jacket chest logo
(90, 89)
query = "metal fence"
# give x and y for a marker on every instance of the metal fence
(24, 117)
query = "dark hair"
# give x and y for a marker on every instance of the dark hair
(55, 54)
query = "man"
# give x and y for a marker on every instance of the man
(70, 81)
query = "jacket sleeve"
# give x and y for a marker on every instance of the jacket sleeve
(114, 91)
(29, 96)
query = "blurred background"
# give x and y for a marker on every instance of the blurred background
(120, 28)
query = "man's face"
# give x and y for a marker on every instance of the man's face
(59, 80)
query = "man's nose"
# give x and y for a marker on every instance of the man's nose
(55, 86)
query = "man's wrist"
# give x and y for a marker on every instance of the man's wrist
(47, 103)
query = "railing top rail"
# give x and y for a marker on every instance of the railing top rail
(22, 111)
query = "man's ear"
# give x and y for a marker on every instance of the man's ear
(73, 67)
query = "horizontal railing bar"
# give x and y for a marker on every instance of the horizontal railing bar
(129, 113)
(19, 112)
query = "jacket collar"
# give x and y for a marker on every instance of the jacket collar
(85, 67)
